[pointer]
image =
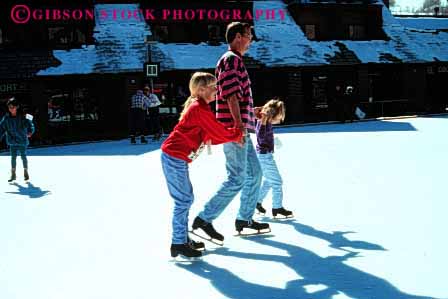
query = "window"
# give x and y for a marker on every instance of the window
(66, 36)
(57, 111)
(79, 37)
(59, 36)
(214, 34)
(319, 93)
(310, 32)
(356, 32)
(76, 105)
(160, 33)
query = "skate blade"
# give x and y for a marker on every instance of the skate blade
(260, 213)
(282, 217)
(203, 236)
(247, 232)
(185, 260)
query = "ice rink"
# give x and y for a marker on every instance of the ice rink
(369, 198)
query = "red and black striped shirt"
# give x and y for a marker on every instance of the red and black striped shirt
(233, 79)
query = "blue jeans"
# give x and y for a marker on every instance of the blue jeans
(22, 150)
(272, 179)
(180, 189)
(243, 174)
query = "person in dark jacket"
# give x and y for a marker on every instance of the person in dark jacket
(137, 117)
(153, 113)
(337, 96)
(18, 128)
(349, 103)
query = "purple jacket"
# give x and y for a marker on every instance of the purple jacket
(265, 138)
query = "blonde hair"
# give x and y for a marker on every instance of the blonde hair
(274, 108)
(199, 79)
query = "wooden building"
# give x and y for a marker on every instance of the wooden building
(77, 75)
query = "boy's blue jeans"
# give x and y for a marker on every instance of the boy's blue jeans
(243, 174)
(180, 189)
(22, 150)
(272, 179)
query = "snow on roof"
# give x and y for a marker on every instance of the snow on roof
(425, 23)
(423, 46)
(75, 61)
(186, 56)
(281, 43)
(405, 44)
(120, 45)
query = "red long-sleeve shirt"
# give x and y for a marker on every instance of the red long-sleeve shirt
(197, 127)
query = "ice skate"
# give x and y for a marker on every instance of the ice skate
(184, 252)
(206, 231)
(196, 245)
(13, 175)
(249, 228)
(26, 175)
(282, 213)
(260, 210)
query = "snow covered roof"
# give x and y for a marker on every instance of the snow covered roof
(283, 43)
(425, 23)
(120, 45)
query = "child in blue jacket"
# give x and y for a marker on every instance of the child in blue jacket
(17, 129)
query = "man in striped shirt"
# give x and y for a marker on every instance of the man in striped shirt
(234, 108)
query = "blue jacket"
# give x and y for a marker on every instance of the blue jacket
(16, 130)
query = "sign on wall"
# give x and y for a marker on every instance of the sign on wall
(151, 69)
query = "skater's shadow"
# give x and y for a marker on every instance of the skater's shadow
(30, 190)
(330, 272)
(232, 286)
(336, 239)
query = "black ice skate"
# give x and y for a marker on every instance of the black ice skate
(26, 174)
(208, 232)
(282, 213)
(252, 228)
(196, 245)
(185, 251)
(13, 176)
(260, 209)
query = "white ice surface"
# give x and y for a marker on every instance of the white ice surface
(94, 221)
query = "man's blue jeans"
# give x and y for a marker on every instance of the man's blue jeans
(22, 150)
(271, 179)
(243, 174)
(180, 189)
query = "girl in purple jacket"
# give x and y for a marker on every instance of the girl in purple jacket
(273, 112)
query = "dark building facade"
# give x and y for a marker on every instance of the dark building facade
(77, 76)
